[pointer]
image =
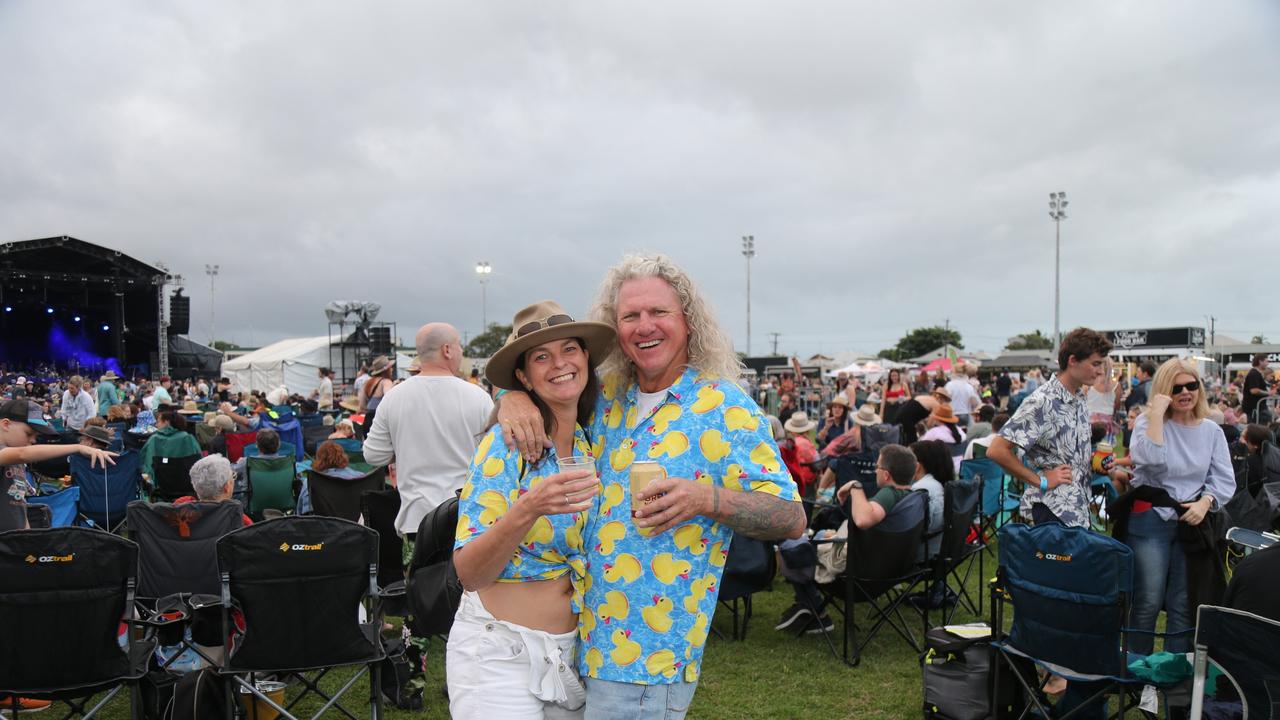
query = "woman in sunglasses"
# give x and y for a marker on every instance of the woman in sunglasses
(1177, 450)
(521, 528)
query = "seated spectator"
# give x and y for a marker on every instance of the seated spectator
(944, 426)
(223, 424)
(895, 471)
(1253, 438)
(95, 434)
(343, 429)
(119, 414)
(170, 440)
(982, 426)
(979, 446)
(213, 481)
(331, 460)
(837, 421)
(798, 451)
(268, 442)
(933, 470)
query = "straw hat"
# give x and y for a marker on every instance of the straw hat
(942, 393)
(540, 323)
(380, 364)
(108, 375)
(209, 416)
(799, 423)
(943, 413)
(190, 408)
(350, 403)
(867, 416)
(839, 400)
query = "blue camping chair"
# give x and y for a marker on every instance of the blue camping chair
(118, 430)
(995, 508)
(290, 431)
(104, 492)
(62, 506)
(1070, 590)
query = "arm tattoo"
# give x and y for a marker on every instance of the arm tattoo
(760, 515)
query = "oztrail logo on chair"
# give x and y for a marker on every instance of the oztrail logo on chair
(32, 559)
(1042, 555)
(286, 547)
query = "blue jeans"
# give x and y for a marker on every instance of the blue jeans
(1160, 581)
(628, 701)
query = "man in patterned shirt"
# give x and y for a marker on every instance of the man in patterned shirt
(1051, 427)
(670, 395)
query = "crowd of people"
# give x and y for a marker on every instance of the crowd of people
(598, 496)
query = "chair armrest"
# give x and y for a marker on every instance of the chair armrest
(394, 590)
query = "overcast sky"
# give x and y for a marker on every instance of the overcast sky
(892, 160)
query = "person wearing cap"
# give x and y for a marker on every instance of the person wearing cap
(20, 422)
(429, 425)
(669, 394)
(76, 406)
(525, 565)
(108, 393)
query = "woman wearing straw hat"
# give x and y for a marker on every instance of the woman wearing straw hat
(375, 388)
(943, 426)
(837, 422)
(798, 453)
(520, 553)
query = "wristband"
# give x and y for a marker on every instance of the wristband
(1044, 483)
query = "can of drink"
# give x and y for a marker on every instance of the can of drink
(643, 473)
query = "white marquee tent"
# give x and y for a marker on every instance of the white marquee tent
(292, 363)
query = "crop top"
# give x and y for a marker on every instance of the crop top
(554, 545)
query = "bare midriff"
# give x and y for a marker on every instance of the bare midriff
(538, 604)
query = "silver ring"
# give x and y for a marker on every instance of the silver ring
(566, 499)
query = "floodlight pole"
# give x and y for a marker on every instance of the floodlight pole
(748, 251)
(1058, 212)
(483, 269)
(212, 272)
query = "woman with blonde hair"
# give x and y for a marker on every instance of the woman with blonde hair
(1176, 450)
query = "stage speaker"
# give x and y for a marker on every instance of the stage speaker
(380, 340)
(179, 314)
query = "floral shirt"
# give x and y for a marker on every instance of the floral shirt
(1052, 428)
(553, 546)
(650, 600)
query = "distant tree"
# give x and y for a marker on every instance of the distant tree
(1258, 340)
(1034, 340)
(488, 342)
(892, 353)
(923, 340)
(223, 345)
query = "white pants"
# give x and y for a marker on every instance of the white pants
(497, 669)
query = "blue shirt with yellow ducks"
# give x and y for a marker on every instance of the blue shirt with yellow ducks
(649, 600)
(553, 546)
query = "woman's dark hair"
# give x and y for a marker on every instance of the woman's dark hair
(955, 431)
(936, 460)
(1255, 435)
(174, 418)
(586, 401)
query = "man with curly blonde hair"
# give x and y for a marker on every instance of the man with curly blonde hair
(670, 396)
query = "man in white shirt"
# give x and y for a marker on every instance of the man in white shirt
(964, 400)
(77, 406)
(429, 425)
(324, 394)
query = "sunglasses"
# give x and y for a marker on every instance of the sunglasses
(1192, 386)
(540, 324)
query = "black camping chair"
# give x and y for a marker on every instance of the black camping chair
(379, 509)
(313, 436)
(64, 595)
(340, 497)
(173, 477)
(749, 568)
(961, 499)
(1070, 591)
(1243, 646)
(297, 584)
(881, 570)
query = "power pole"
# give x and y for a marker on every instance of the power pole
(775, 335)
(1058, 212)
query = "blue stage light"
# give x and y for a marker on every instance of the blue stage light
(49, 310)
(76, 318)
(105, 327)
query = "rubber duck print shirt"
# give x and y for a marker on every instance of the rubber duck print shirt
(650, 600)
(554, 545)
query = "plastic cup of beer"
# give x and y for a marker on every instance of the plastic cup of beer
(643, 473)
(579, 462)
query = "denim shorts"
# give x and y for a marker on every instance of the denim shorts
(629, 701)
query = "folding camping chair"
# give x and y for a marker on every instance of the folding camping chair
(173, 477)
(340, 497)
(960, 503)
(299, 583)
(176, 562)
(749, 568)
(881, 569)
(65, 593)
(251, 450)
(312, 437)
(237, 442)
(379, 509)
(271, 481)
(104, 492)
(61, 505)
(1070, 590)
(39, 517)
(997, 507)
(1243, 646)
